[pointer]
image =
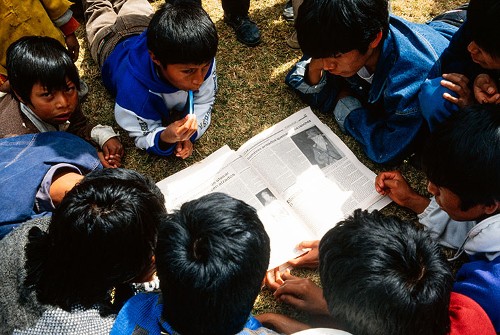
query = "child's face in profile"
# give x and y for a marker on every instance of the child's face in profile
(483, 58)
(450, 203)
(54, 107)
(185, 76)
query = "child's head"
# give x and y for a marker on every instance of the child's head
(182, 41)
(211, 258)
(328, 28)
(482, 18)
(102, 235)
(462, 162)
(381, 275)
(43, 76)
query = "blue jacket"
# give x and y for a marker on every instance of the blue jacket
(384, 117)
(141, 314)
(24, 161)
(144, 101)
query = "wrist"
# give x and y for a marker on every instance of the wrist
(417, 203)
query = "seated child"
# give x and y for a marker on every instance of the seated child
(381, 275)
(67, 274)
(152, 64)
(366, 67)
(36, 171)
(462, 163)
(44, 82)
(52, 18)
(470, 66)
(211, 257)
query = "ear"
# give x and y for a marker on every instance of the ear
(153, 58)
(376, 41)
(492, 209)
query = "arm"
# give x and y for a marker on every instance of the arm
(314, 87)
(62, 16)
(393, 184)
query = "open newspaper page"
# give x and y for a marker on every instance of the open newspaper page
(227, 172)
(309, 167)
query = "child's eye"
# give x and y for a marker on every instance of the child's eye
(46, 94)
(188, 71)
(70, 88)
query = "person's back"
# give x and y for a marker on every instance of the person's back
(350, 49)
(99, 240)
(211, 257)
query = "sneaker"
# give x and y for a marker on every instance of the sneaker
(288, 11)
(246, 30)
(292, 41)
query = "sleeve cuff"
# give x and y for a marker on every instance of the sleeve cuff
(101, 134)
(343, 108)
(43, 201)
(69, 27)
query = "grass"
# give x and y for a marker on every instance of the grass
(252, 97)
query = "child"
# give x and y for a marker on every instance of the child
(462, 163)
(44, 83)
(151, 65)
(366, 66)
(211, 257)
(69, 278)
(381, 275)
(470, 66)
(51, 18)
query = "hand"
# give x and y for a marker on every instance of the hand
(392, 184)
(112, 152)
(457, 83)
(314, 71)
(184, 149)
(73, 46)
(310, 259)
(180, 130)
(485, 90)
(300, 293)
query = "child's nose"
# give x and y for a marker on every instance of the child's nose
(328, 65)
(198, 78)
(61, 100)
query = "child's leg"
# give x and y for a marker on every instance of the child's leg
(108, 22)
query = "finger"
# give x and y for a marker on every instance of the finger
(450, 98)
(308, 244)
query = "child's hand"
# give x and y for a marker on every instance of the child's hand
(180, 130)
(485, 90)
(457, 83)
(392, 184)
(112, 152)
(73, 46)
(309, 259)
(300, 293)
(184, 149)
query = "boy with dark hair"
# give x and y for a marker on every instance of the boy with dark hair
(44, 84)
(67, 274)
(211, 257)
(161, 69)
(381, 275)
(470, 66)
(366, 67)
(462, 161)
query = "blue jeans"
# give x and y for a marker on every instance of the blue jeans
(24, 161)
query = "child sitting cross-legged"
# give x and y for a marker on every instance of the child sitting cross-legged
(44, 84)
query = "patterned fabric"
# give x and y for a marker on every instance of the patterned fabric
(79, 321)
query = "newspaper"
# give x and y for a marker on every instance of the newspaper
(301, 178)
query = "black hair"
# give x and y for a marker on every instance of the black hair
(102, 235)
(463, 155)
(326, 28)
(381, 275)
(482, 18)
(211, 258)
(181, 32)
(39, 59)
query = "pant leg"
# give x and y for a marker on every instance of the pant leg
(108, 22)
(236, 7)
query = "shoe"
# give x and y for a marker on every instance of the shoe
(292, 41)
(246, 30)
(288, 11)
